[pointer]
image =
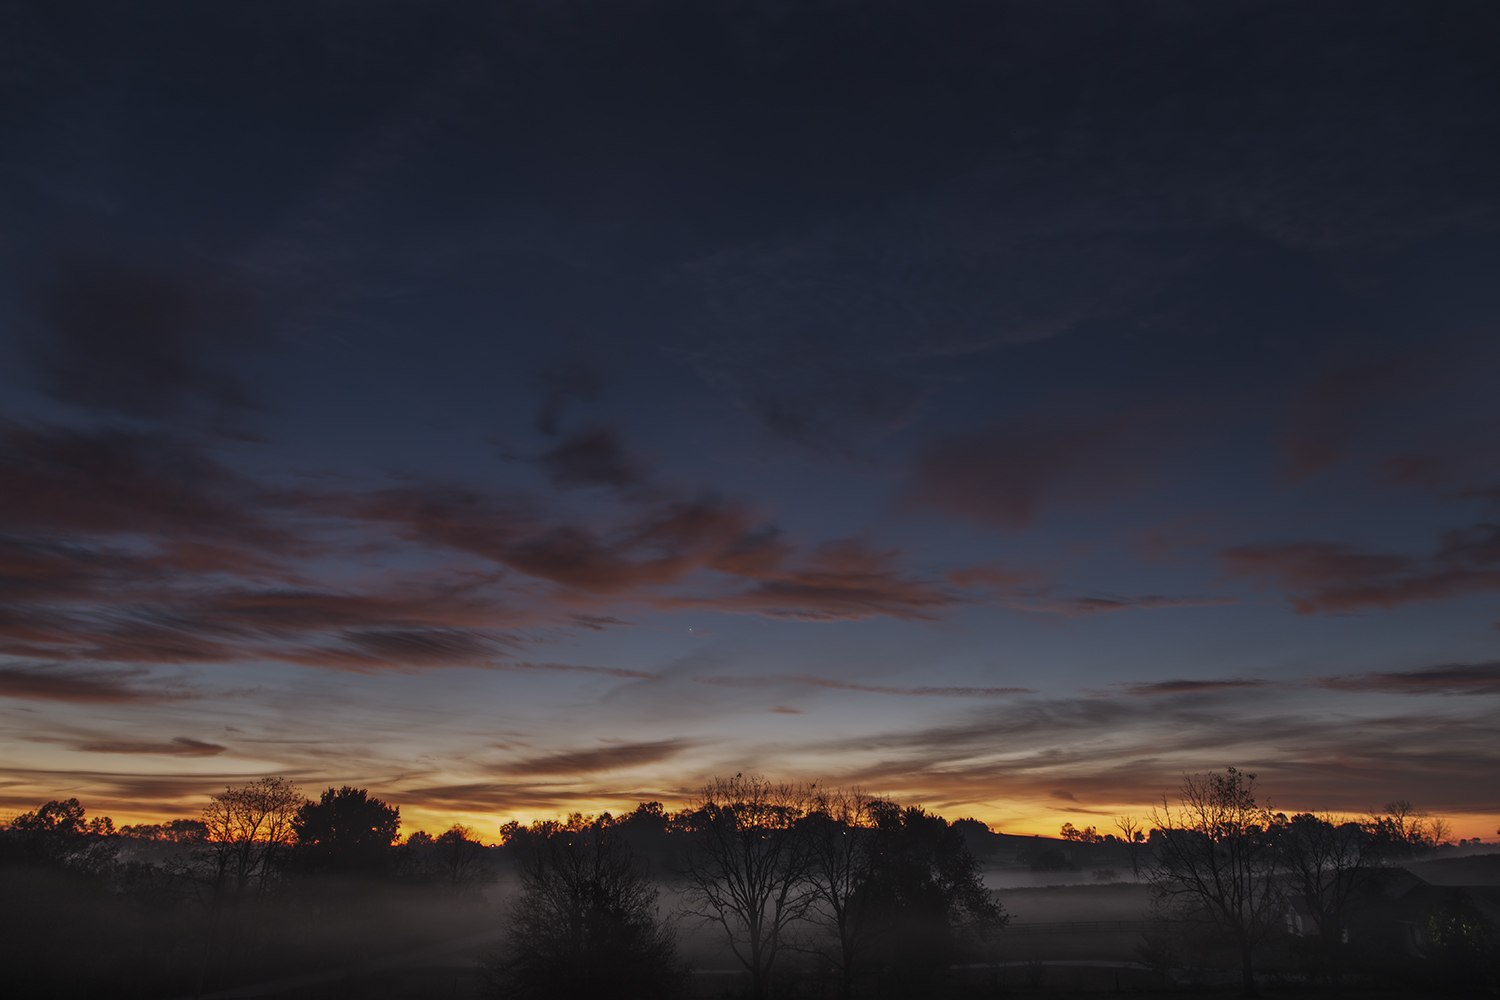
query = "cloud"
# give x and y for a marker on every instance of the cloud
(573, 379)
(1082, 607)
(179, 746)
(1131, 750)
(409, 626)
(840, 581)
(136, 548)
(1025, 591)
(619, 757)
(103, 687)
(121, 482)
(591, 457)
(1458, 678)
(664, 545)
(640, 675)
(1154, 688)
(165, 794)
(1327, 412)
(778, 680)
(660, 545)
(1008, 474)
(125, 339)
(409, 648)
(993, 578)
(1332, 577)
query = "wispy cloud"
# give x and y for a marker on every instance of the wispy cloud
(1459, 678)
(140, 549)
(1333, 577)
(1007, 474)
(1027, 590)
(139, 340)
(1155, 688)
(1133, 749)
(1083, 607)
(178, 746)
(617, 757)
(780, 680)
(577, 668)
(53, 682)
(591, 457)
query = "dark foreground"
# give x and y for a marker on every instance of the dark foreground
(447, 981)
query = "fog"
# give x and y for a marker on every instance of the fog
(760, 889)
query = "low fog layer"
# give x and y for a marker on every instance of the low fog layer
(758, 887)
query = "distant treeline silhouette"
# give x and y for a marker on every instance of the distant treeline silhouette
(867, 895)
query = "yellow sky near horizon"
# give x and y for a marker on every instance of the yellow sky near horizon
(1023, 818)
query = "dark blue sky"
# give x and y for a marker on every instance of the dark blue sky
(534, 406)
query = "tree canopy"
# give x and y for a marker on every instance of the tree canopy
(346, 831)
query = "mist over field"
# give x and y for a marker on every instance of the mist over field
(760, 887)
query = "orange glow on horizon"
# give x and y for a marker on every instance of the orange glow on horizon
(1040, 820)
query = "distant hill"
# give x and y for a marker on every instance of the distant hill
(1477, 869)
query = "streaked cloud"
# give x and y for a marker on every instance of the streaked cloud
(54, 682)
(1191, 687)
(1322, 577)
(617, 757)
(1458, 678)
(780, 680)
(179, 746)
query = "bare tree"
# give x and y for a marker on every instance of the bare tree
(247, 831)
(746, 867)
(1217, 856)
(1133, 836)
(1327, 863)
(838, 827)
(1405, 831)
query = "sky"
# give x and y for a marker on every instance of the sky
(519, 408)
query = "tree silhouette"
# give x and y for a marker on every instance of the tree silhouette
(453, 858)
(346, 831)
(247, 833)
(747, 865)
(1326, 865)
(1133, 837)
(1404, 832)
(56, 835)
(1217, 856)
(925, 895)
(585, 922)
(838, 829)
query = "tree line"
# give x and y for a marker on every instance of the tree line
(875, 890)
(1221, 861)
(263, 881)
(878, 894)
